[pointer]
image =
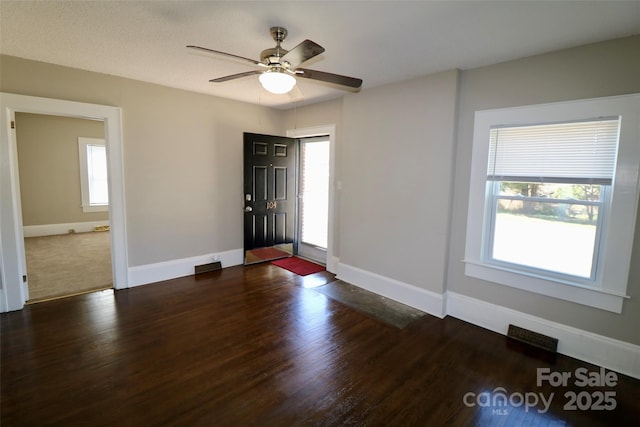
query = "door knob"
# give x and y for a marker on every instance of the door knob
(248, 209)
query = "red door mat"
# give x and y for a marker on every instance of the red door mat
(299, 266)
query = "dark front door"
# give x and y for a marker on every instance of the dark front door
(269, 197)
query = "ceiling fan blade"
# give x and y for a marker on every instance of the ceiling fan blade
(235, 76)
(337, 79)
(242, 58)
(302, 53)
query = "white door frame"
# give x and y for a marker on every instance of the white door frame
(321, 131)
(14, 291)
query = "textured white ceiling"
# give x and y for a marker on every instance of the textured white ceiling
(378, 41)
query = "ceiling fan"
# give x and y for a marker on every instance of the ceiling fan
(279, 67)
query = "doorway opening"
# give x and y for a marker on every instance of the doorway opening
(13, 275)
(313, 198)
(63, 179)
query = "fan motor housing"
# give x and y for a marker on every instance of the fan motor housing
(272, 55)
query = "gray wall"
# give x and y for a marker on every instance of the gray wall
(384, 129)
(182, 156)
(602, 69)
(50, 168)
(396, 168)
(394, 160)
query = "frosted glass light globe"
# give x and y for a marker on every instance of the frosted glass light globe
(277, 82)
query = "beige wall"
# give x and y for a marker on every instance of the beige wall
(49, 168)
(603, 69)
(182, 156)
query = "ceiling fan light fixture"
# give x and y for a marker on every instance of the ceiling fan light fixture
(280, 67)
(277, 82)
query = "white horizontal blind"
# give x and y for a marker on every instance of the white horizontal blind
(569, 152)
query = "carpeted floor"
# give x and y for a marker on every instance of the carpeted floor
(384, 309)
(68, 264)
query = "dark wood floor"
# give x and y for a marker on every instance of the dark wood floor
(255, 346)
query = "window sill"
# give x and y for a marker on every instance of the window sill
(574, 292)
(95, 208)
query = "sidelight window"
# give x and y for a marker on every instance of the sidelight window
(314, 190)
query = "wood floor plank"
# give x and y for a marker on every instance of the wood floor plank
(257, 345)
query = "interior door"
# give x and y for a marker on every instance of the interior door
(269, 197)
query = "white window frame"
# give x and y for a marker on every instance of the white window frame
(602, 204)
(83, 142)
(609, 289)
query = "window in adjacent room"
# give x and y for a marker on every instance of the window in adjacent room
(93, 174)
(554, 197)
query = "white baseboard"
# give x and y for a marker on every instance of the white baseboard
(150, 273)
(613, 354)
(332, 264)
(54, 229)
(422, 299)
(620, 356)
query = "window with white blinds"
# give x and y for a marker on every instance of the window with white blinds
(553, 198)
(571, 152)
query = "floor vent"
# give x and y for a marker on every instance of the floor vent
(533, 338)
(205, 268)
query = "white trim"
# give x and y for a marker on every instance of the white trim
(321, 131)
(95, 208)
(13, 264)
(312, 252)
(332, 264)
(592, 297)
(55, 229)
(422, 299)
(157, 272)
(613, 354)
(610, 353)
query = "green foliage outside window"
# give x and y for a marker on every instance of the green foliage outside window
(557, 208)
